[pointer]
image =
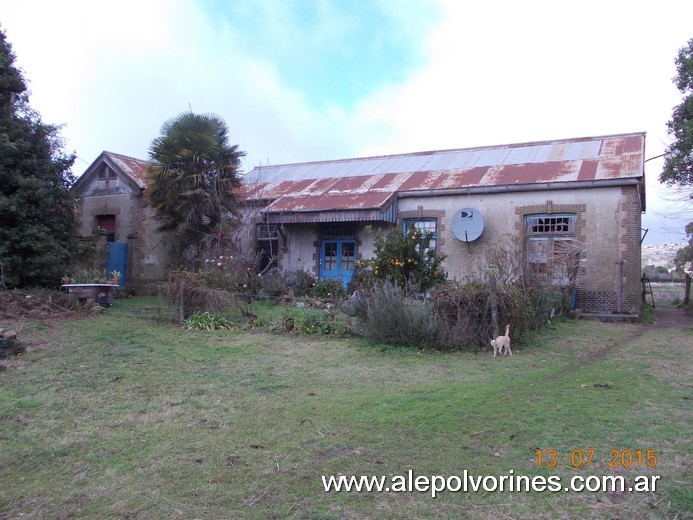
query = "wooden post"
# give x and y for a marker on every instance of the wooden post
(181, 299)
(494, 304)
(687, 298)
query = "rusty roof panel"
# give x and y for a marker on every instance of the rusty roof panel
(588, 171)
(136, 169)
(582, 159)
(368, 200)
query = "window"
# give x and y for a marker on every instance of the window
(107, 174)
(267, 244)
(338, 230)
(426, 226)
(551, 248)
(553, 224)
(107, 223)
(348, 256)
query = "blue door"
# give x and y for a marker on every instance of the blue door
(115, 260)
(338, 260)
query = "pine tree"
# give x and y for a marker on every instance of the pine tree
(37, 218)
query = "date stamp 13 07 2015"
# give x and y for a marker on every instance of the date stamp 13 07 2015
(587, 457)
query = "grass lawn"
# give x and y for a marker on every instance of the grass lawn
(124, 415)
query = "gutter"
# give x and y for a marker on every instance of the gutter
(516, 188)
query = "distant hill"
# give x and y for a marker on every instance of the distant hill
(660, 254)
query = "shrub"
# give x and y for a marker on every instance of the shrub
(455, 317)
(395, 318)
(330, 289)
(273, 284)
(321, 324)
(406, 259)
(190, 293)
(301, 283)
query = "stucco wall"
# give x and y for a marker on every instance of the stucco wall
(607, 227)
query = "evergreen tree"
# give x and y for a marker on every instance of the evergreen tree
(37, 220)
(678, 166)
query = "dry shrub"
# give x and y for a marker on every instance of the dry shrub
(454, 317)
(189, 293)
(464, 313)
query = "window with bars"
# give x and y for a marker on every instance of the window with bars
(550, 224)
(551, 249)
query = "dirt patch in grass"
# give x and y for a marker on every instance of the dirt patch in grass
(667, 317)
(40, 304)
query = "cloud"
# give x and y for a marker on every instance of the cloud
(299, 81)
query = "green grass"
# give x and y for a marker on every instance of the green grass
(124, 415)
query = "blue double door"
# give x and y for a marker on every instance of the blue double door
(338, 260)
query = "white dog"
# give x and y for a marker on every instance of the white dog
(502, 342)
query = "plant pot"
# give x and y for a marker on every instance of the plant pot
(114, 281)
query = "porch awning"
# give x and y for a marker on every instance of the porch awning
(352, 207)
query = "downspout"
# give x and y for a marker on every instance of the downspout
(619, 285)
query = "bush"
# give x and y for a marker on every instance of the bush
(406, 259)
(273, 284)
(190, 293)
(455, 317)
(329, 289)
(393, 317)
(301, 283)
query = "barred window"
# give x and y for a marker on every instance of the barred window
(551, 250)
(550, 224)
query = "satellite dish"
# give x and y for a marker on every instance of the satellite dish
(467, 224)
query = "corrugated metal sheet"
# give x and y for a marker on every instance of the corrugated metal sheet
(134, 168)
(367, 183)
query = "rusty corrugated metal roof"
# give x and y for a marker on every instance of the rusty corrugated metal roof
(134, 168)
(368, 182)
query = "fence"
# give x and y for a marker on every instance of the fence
(666, 291)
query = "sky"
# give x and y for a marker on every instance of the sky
(311, 80)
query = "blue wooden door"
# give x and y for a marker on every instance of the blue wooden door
(338, 260)
(116, 260)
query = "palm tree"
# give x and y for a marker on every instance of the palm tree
(193, 177)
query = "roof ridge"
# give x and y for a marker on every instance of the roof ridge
(453, 150)
(106, 152)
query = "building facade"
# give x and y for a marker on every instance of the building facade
(567, 209)
(113, 204)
